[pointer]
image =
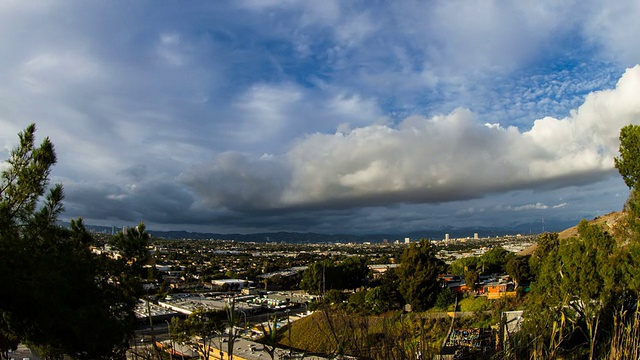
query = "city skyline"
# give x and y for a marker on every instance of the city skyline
(328, 117)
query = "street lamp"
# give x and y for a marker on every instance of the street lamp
(245, 318)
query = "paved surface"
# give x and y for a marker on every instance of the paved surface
(22, 353)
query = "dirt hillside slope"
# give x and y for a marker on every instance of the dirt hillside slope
(606, 221)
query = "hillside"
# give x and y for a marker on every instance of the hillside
(371, 337)
(607, 222)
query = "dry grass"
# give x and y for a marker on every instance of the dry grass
(625, 343)
(391, 336)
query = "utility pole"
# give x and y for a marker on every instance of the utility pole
(324, 283)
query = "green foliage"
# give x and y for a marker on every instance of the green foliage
(56, 294)
(471, 279)
(418, 272)
(462, 265)
(391, 336)
(495, 260)
(25, 181)
(381, 299)
(518, 269)
(628, 164)
(350, 273)
(334, 296)
(446, 297)
(474, 304)
(312, 278)
(198, 329)
(270, 338)
(575, 291)
(548, 243)
(132, 244)
(357, 302)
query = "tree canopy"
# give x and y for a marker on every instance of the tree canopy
(56, 294)
(418, 275)
(586, 288)
(495, 260)
(350, 273)
(628, 163)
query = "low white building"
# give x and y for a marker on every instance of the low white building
(232, 283)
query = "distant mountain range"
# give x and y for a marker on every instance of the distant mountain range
(298, 237)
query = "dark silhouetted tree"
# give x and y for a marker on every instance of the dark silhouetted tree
(56, 294)
(418, 275)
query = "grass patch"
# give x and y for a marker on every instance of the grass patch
(473, 304)
(389, 336)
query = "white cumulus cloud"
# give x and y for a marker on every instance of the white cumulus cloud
(437, 159)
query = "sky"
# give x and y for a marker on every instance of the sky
(325, 116)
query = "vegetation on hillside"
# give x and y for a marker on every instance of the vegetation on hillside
(336, 332)
(584, 300)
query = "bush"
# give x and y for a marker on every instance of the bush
(445, 298)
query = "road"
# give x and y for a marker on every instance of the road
(22, 352)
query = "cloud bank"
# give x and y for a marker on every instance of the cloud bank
(425, 160)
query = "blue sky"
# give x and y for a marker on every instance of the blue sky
(325, 116)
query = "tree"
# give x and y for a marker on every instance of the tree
(548, 243)
(385, 296)
(313, 278)
(270, 338)
(352, 272)
(54, 289)
(495, 260)
(131, 244)
(445, 298)
(418, 273)
(575, 291)
(586, 288)
(233, 319)
(462, 265)
(628, 163)
(471, 279)
(198, 330)
(518, 269)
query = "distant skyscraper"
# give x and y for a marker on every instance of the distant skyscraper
(407, 240)
(475, 236)
(446, 237)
